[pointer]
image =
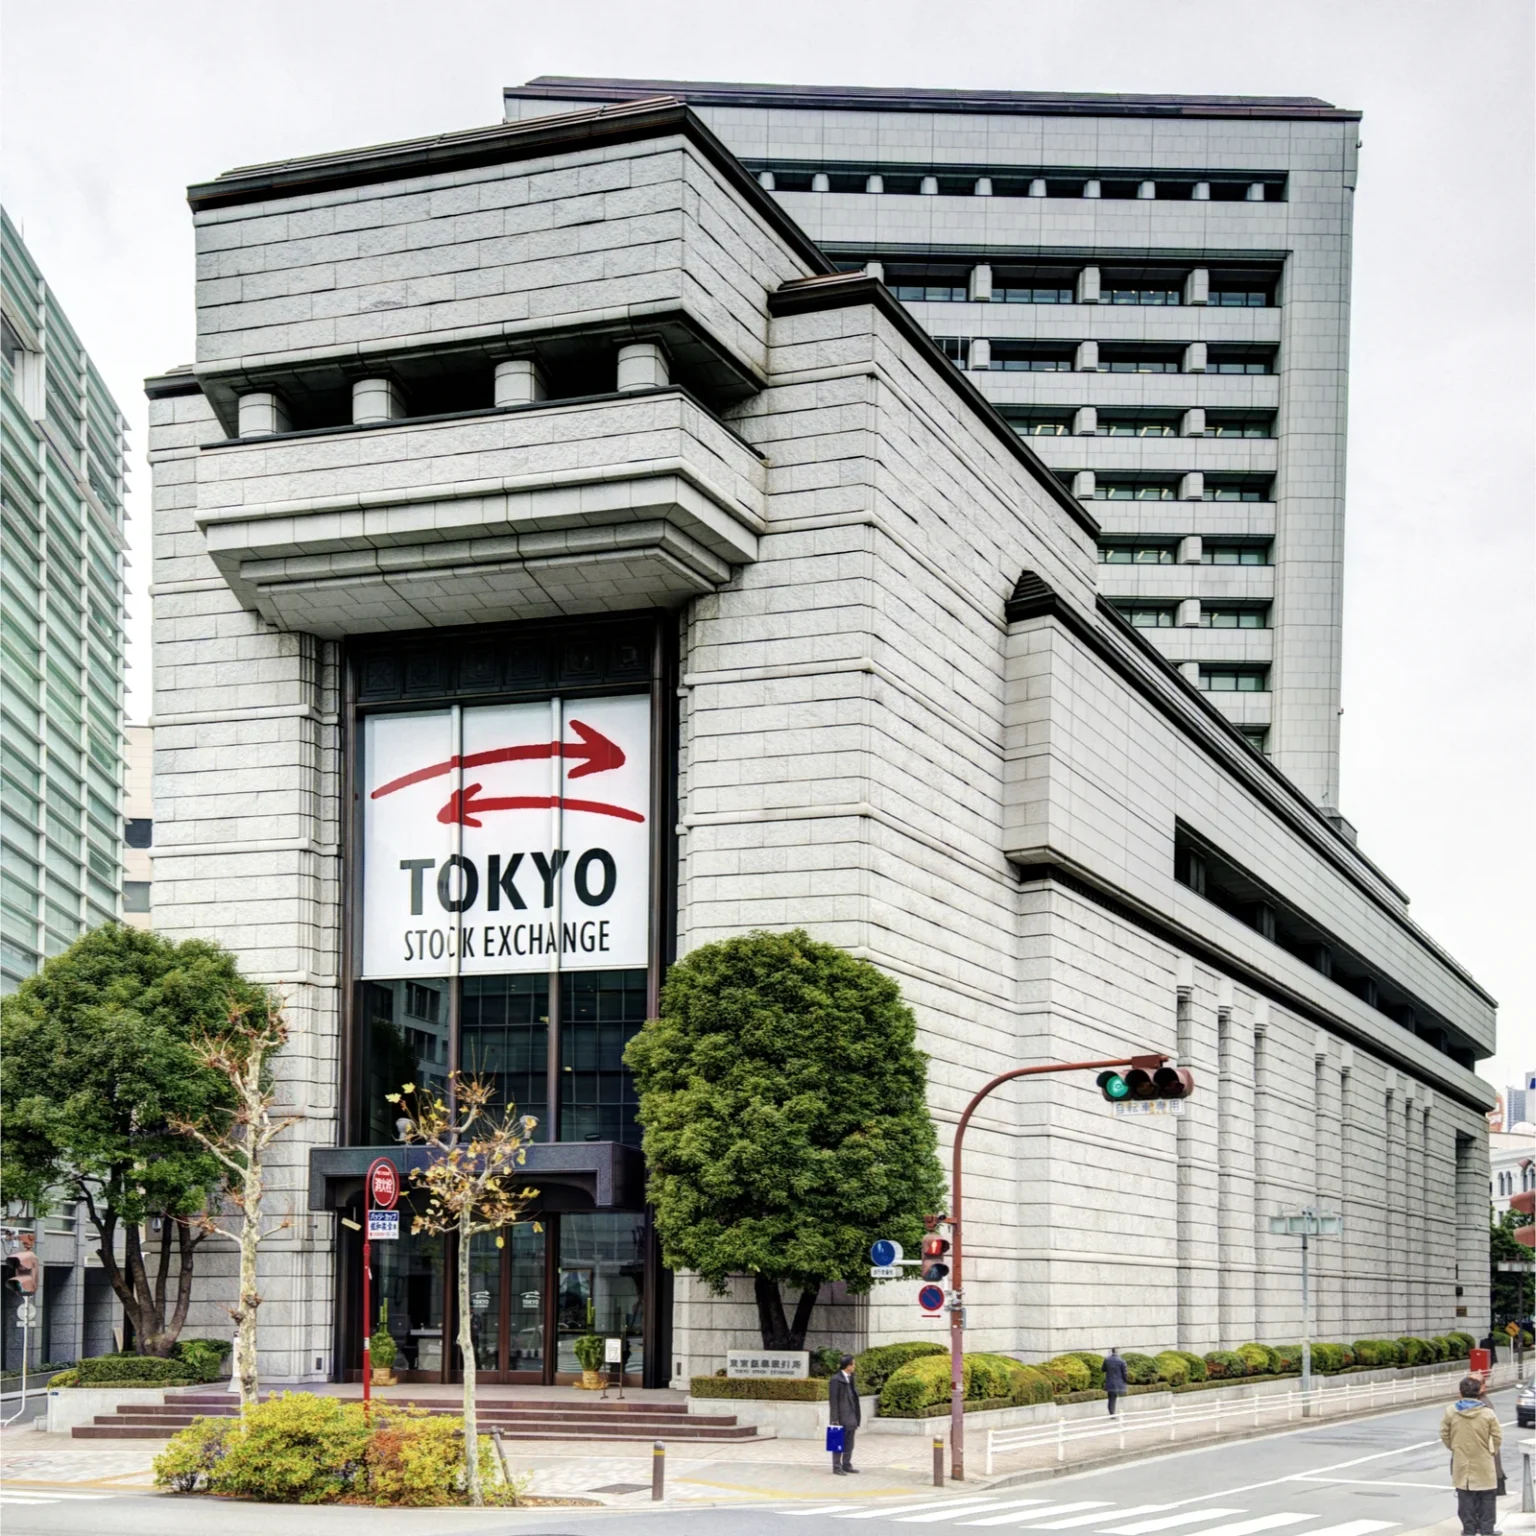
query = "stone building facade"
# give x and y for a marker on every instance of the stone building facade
(564, 422)
(1155, 291)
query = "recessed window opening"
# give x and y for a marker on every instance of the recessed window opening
(1238, 488)
(1259, 424)
(956, 348)
(1149, 615)
(1033, 285)
(927, 284)
(1032, 357)
(1227, 359)
(1140, 359)
(1234, 554)
(1143, 552)
(1223, 679)
(1135, 488)
(1235, 617)
(1139, 424)
(1040, 423)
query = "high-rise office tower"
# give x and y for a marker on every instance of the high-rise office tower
(62, 439)
(1154, 290)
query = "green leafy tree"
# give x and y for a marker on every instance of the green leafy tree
(786, 1126)
(99, 1061)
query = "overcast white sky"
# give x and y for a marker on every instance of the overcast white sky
(108, 110)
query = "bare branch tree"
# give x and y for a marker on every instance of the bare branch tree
(469, 1189)
(239, 1138)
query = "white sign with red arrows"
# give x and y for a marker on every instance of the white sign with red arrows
(524, 845)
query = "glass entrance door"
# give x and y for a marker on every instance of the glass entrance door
(506, 1303)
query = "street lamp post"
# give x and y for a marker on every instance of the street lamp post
(1307, 1223)
(1147, 1063)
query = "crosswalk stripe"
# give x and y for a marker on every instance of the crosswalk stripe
(1261, 1523)
(821, 1509)
(49, 1493)
(16, 1498)
(1355, 1528)
(950, 1507)
(1049, 1512)
(1167, 1522)
(975, 1509)
(1120, 1514)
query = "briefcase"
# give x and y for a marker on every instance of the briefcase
(835, 1439)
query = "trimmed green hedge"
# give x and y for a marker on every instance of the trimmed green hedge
(873, 1368)
(1225, 1365)
(1095, 1364)
(921, 1387)
(1140, 1370)
(136, 1370)
(1171, 1367)
(1075, 1372)
(803, 1389)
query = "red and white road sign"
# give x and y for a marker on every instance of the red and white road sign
(383, 1184)
(507, 838)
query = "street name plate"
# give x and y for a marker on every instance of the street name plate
(1129, 1107)
(784, 1364)
(885, 1271)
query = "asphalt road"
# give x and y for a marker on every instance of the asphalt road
(1384, 1476)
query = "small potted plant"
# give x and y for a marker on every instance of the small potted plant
(589, 1354)
(383, 1351)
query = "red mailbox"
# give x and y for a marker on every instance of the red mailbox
(1478, 1363)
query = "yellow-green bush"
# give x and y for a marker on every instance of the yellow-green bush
(1140, 1370)
(1260, 1359)
(922, 1386)
(1172, 1367)
(1079, 1378)
(874, 1367)
(298, 1448)
(1095, 1364)
(1225, 1365)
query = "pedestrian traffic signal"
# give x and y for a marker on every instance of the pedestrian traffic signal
(935, 1257)
(1138, 1083)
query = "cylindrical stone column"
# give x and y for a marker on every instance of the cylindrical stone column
(643, 365)
(519, 381)
(376, 400)
(262, 413)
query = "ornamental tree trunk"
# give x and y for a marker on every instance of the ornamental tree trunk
(467, 1353)
(777, 1331)
(249, 1300)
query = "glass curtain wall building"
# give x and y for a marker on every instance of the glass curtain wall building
(63, 441)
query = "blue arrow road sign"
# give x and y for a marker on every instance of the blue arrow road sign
(885, 1252)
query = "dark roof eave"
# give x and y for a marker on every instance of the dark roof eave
(865, 98)
(503, 143)
(846, 290)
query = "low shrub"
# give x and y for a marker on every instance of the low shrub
(204, 1357)
(1411, 1351)
(1095, 1364)
(827, 1362)
(297, 1448)
(1464, 1343)
(765, 1389)
(69, 1378)
(1225, 1365)
(875, 1366)
(1140, 1370)
(1073, 1368)
(1287, 1358)
(1260, 1359)
(136, 1371)
(1328, 1358)
(921, 1387)
(1196, 1364)
(1447, 1347)
(1376, 1353)
(1171, 1367)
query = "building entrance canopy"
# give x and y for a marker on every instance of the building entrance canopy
(569, 1176)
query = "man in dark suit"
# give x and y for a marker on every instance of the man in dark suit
(843, 1405)
(1114, 1377)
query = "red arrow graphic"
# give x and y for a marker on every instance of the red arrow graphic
(465, 806)
(599, 752)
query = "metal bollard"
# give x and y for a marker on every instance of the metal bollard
(1527, 1492)
(658, 1471)
(938, 1464)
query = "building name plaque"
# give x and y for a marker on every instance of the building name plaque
(788, 1364)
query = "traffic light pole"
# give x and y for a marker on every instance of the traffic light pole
(1147, 1063)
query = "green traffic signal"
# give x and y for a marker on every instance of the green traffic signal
(1114, 1087)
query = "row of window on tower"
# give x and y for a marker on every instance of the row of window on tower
(1162, 285)
(1008, 354)
(1014, 181)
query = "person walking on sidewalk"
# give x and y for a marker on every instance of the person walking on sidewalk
(1114, 1376)
(843, 1408)
(1470, 1428)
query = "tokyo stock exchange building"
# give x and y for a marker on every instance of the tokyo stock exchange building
(559, 564)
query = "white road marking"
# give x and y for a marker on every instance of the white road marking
(1259, 1523)
(1049, 1512)
(1167, 1522)
(1120, 1514)
(976, 1509)
(1355, 1528)
(824, 1509)
(951, 1506)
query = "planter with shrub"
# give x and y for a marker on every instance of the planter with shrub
(764, 1389)
(588, 1350)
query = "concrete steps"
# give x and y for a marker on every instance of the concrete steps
(524, 1419)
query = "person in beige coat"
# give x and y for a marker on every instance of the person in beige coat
(1470, 1428)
